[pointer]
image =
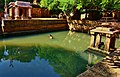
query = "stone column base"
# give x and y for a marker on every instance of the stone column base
(29, 17)
(17, 18)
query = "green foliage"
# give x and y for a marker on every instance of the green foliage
(22, 54)
(51, 5)
(68, 5)
(117, 7)
(44, 3)
(66, 63)
(110, 4)
(56, 5)
(116, 4)
(79, 6)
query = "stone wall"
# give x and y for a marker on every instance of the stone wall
(1, 15)
(82, 25)
(87, 25)
(12, 26)
(40, 12)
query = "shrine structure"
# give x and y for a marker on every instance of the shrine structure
(106, 46)
(20, 10)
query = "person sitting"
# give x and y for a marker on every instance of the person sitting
(50, 36)
(101, 45)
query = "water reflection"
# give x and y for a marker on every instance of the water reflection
(56, 58)
(92, 59)
(11, 63)
(76, 41)
(65, 63)
(5, 49)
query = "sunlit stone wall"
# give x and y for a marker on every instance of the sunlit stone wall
(35, 25)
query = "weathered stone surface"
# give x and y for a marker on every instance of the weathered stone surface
(108, 67)
(34, 25)
(99, 70)
(40, 12)
(86, 25)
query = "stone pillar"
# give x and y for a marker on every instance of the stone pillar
(113, 14)
(29, 13)
(89, 58)
(93, 39)
(23, 14)
(16, 12)
(107, 44)
(10, 13)
(112, 41)
(98, 40)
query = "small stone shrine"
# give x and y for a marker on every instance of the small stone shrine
(96, 37)
(20, 10)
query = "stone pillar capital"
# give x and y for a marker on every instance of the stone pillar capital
(108, 35)
(92, 33)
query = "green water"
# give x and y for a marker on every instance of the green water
(39, 56)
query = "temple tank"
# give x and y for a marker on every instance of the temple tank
(65, 55)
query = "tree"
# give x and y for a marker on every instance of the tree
(51, 5)
(88, 5)
(54, 7)
(116, 4)
(67, 6)
(64, 5)
(2, 3)
(110, 5)
(45, 3)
